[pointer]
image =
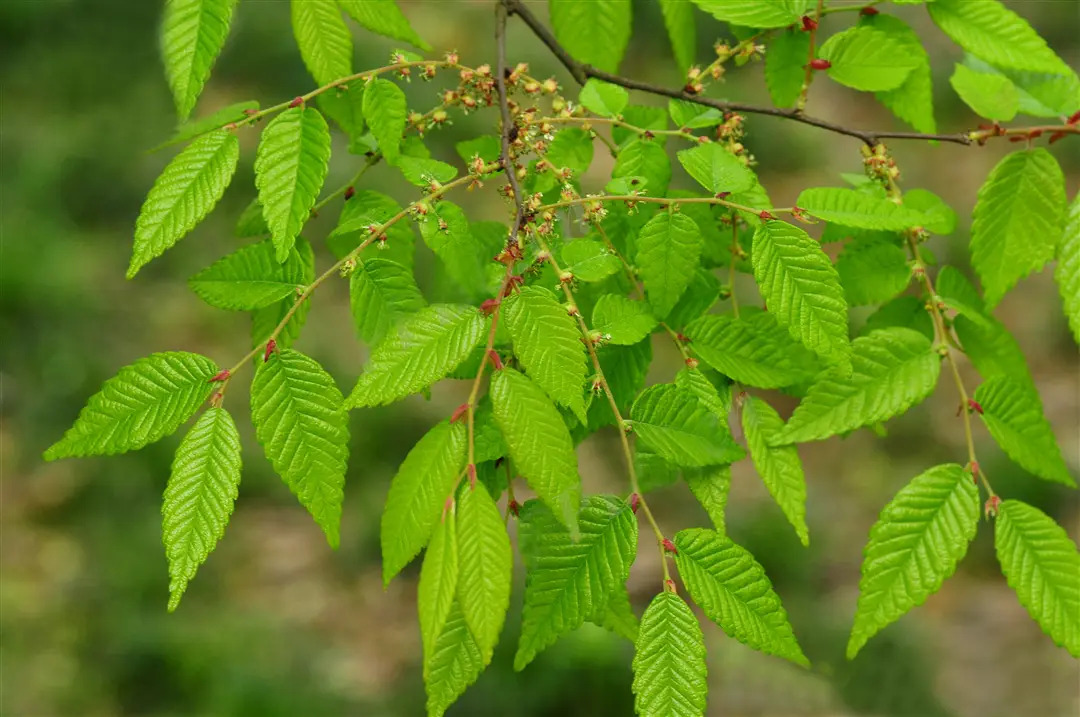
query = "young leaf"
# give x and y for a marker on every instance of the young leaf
(691, 115)
(382, 294)
(345, 105)
(938, 217)
(589, 260)
(914, 546)
(755, 13)
(711, 487)
(784, 64)
(1017, 220)
(1067, 273)
(192, 36)
(199, 497)
(1042, 565)
(300, 265)
(913, 100)
(437, 589)
(418, 493)
(567, 579)
(577, 25)
(143, 403)
(184, 194)
(852, 208)
(621, 321)
(715, 168)
(669, 247)
(290, 167)
(603, 98)
(1013, 414)
(548, 344)
(779, 466)
(988, 95)
(384, 18)
(996, 34)
(892, 370)
(644, 158)
(734, 592)
(802, 290)
(422, 349)
(296, 409)
(539, 443)
(459, 246)
(869, 59)
(756, 351)
(324, 40)
(454, 664)
(702, 293)
(486, 565)
(385, 109)
(248, 279)
(420, 171)
(669, 661)
(696, 383)
(572, 148)
(682, 31)
(681, 429)
(872, 270)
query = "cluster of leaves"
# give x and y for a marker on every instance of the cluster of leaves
(565, 314)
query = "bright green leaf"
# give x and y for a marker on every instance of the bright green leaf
(486, 564)
(913, 100)
(577, 26)
(422, 172)
(756, 13)
(603, 98)
(325, 42)
(669, 661)
(867, 58)
(192, 36)
(779, 466)
(715, 168)
(385, 109)
(1067, 273)
(382, 294)
(938, 217)
(872, 270)
(990, 96)
(589, 260)
(248, 279)
(784, 62)
(682, 31)
(852, 208)
(454, 664)
(264, 321)
(621, 321)
(675, 425)
(989, 30)
(757, 351)
(711, 487)
(384, 18)
(644, 158)
(437, 589)
(668, 249)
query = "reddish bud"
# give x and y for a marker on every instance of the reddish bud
(669, 546)
(723, 195)
(635, 501)
(512, 284)
(765, 215)
(808, 23)
(472, 475)
(271, 347)
(448, 506)
(973, 405)
(669, 586)
(1019, 138)
(350, 192)
(974, 468)
(992, 505)
(691, 362)
(1056, 136)
(222, 375)
(513, 507)
(1074, 118)
(487, 308)
(458, 413)
(496, 361)
(683, 338)
(297, 102)
(819, 64)
(869, 11)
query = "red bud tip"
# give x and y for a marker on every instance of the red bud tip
(820, 64)
(488, 307)
(458, 413)
(297, 102)
(472, 475)
(974, 406)
(683, 337)
(1074, 118)
(808, 23)
(514, 508)
(973, 467)
(251, 112)
(447, 506)
(1056, 136)
(1019, 138)
(669, 586)
(723, 195)
(635, 501)
(493, 356)
(350, 192)
(512, 284)
(691, 362)
(869, 11)
(670, 546)
(222, 375)
(765, 215)
(992, 505)
(271, 347)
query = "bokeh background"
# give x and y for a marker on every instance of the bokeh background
(276, 623)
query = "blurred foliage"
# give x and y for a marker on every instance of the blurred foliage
(278, 625)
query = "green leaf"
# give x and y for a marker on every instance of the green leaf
(325, 42)
(872, 270)
(755, 13)
(989, 30)
(1013, 414)
(577, 25)
(1041, 94)
(589, 260)
(301, 265)
(867, 58)
(914, 546)
(734, 592)
(539, 443)
(384, 18)
(345, 105)
(643, 116)
(192, 36)
(912, 101)
(624, 368)
(381, 295)
(418, 493)
(296, 409)
(199, 497)
(784, 62)
(904, 311)
(938, 217)
(617, 615)
(691, 115)
(455, 663)
(196, 127)
(991, 96)
(695, 382)
(1042, 565)
(422, 349)
(367, 210)
(572, 149)
(892, 370)
(437, 589)
(603, 98)
(1017, 220)
(450, 236)
(1067, 272)
(756, 351)
(992, 349)
(715, 168)
(779, 466)
(248, 279)
(422, 172)
(385, 109)
(567, 580)
(290, 168)
(681, 429)
(644, 158)
(621, 321)
(682, 31)
(700, 295)
(143, 403)
(184, 194)
(250, 222)
(802, 289)
(486, 147)
(486, 563)
(669, 661)
(547, 342)
(852, 208)
(668, 249)
(711, 487)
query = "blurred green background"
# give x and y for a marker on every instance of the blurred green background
(276, 623)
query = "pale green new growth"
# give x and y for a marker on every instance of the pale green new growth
(669, 661)
(779, 466)
(248, 279)
(325, 42)
(669, 247)
(192, 36)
